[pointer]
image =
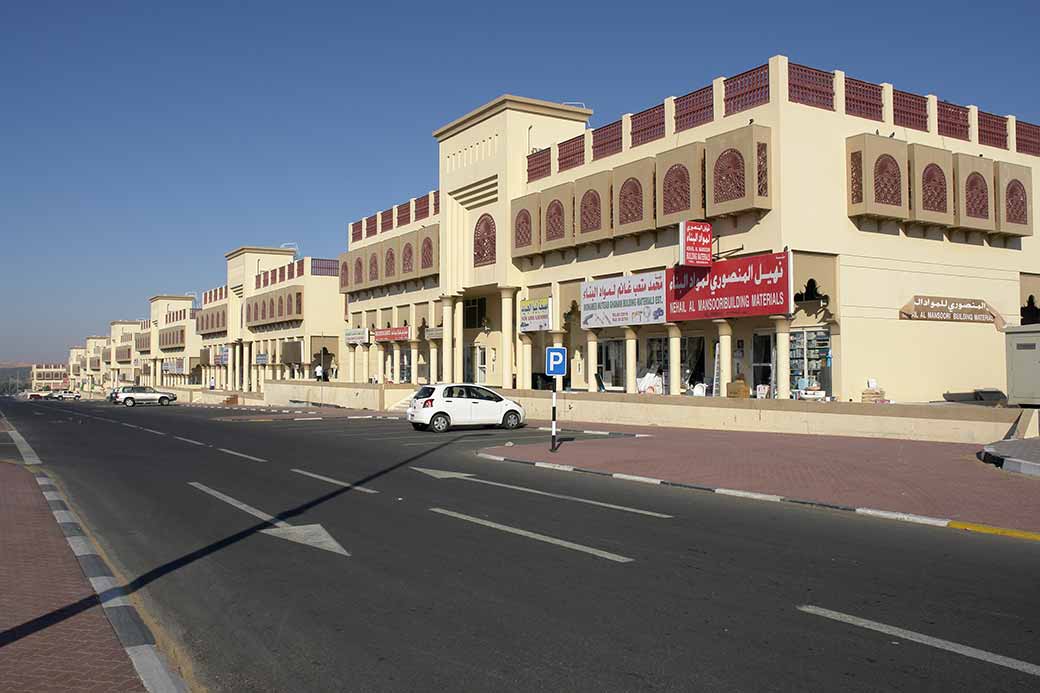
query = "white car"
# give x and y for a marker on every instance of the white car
(439, 407)
(65, 394)
(131, 396)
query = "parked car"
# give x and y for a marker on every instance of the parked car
(133, 395)
(111, 396)
(66, 394)
(440, 407)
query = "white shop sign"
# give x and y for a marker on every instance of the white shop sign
(536, 314)
(638, 299)
(356, 335)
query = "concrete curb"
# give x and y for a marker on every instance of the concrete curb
(606, 434)
(754, 495)
(989, 455)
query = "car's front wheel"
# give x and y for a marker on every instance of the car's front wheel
(128, 402)
(163, 401)
(440, 423)
(511, 420)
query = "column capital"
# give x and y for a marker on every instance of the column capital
(413, 343)
(507, 291)
(725, 329)
(631, 332)
(673, 329)
(781, 320)
(525, 338)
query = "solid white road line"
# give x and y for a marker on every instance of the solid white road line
(29, 455)
(242, 454)
(130, 425)
(337, 482)
(307, 418)
(974, 653)
(189, 440)
(537, 537)
(239, 504)
(905, 517)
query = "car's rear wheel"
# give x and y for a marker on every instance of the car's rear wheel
(419, 426)
(163, 401)
(511, 420)
(129, 402)
(440, 423)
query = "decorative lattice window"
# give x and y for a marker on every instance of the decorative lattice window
(299, 303)
(933, 189)
(373, 268)
(484, 241)
(856, 163)
(407, 259)
(263, 310)
(522, 229)
(647, 125)
(344, 275)
(1015, 203)
(359, 272)
(887, 181)
(676, 189)
(281, 306)
(426, 258)
(863, 99)
(910, 110)
(356, 231)
(571, 153)
(630, 202)
(976, 197)
(694, 109)
(591, 212)
(762, 172)
(747, 90)
(272, 308)
(729, 176)
(389, 264)
(554, 228)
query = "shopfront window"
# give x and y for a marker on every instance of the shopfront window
(810, 361)
(610, 362)
(406, 365)
(762, 361)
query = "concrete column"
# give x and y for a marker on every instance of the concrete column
(557, 341)
(630, 360)
(352, 353)
(783, 356)
(457, 339)
(363, 352)
(233, 367)
(395, 369)
(432, 374)
(505, 353)
(591, 359)
(413, 347)
(524, 376)
(448, 321)
(674, 364)
(725, 355)
(379, 362)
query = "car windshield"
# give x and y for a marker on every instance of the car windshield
(481, 393)
(424, 393)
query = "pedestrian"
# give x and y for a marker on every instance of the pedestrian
(317, 372)
(212, 383)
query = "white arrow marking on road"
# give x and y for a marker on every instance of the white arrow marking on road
(537, 537)
(337, 482)
(311, 535)
(442, 474)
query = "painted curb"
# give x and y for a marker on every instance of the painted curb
(976, 527)
(606, 434)
(989, 455)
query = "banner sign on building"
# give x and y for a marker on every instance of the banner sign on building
(262, 359)
(695, 240)
(949, 309)
(356, 335)
(392, 334)
(223, 356)
(434, 333)
(535, 314)
(741, 287)
(637, 299)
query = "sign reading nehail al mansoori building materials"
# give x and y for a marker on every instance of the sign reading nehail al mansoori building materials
(947, 309)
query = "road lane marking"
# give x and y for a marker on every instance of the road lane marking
(239, 504)
(337, 482)
(242, 454)
(441, 474)
(130, 425)
(189, 440)
(599, 553)
(152, 430)
(965, 650)
(307, 418)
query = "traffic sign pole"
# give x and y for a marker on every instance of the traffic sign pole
(555, 366)
(552, 445)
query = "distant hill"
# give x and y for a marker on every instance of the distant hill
(14, 364)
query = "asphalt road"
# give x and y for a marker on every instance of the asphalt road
(463, 585)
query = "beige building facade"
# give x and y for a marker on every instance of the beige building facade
(48, 377)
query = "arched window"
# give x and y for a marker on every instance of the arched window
(728, 173)
(676, 189)
(427, 253)
(389, 268)
(373, 268)
(344, 275)
(888, 188)
(359, 272)
(1016, 211)
(933, 189)
(554, 230)
(407, 259)
(281, 304)
(591, 212)
(263, 310)
(630, 202)
(299, 303)
(249, 312)
(272, 309)
(484, 241)
(976, 197)
(522, 229)
(288, 305)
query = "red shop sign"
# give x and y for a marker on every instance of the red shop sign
(695, 239)
(737, 288)
(392, 334)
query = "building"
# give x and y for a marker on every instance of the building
(45, 377)
(76, 366)
(894, 232)
(122, 354)
(93, 370)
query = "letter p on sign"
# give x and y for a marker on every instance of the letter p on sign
(556, 361)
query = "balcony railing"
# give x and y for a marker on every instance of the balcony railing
(1027, 138)
(747, 90)
(953, 120)
(992, 130)
(863, 99)
(910, 110)
(696, 108)
(539, 164)
(810, 86)
(648, 125)
(606, 140)
(571, 152)
(321, 267)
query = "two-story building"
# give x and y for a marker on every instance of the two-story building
(48, 377)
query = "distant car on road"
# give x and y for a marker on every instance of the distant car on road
(440, 407)
(65, 394)
(137, 394)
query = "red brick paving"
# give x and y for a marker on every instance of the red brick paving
(39, 575)
(937, 479)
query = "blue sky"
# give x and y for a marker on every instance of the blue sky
(140, 142)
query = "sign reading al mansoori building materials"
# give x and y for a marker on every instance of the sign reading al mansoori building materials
(741, 287)
(535, 314)
(949, 309)
(637, 299)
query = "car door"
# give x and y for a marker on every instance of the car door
(456, 404)
(147, 394)
(486, 405)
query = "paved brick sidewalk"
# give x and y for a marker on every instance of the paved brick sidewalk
(54, 635)
(943, 480)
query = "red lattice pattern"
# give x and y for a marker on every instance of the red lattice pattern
(539, 164)
(404, 214)
(390, 267)
(356, 231)
(324, 267)
(953, 120)
(747, 90)
(427, 254)
(1015, 203)
(863, 99)
(344, 275)
(933, 189)
(630, 202)
(407, 259)
(810, 86)
(373, 268)
(422, 207)
(1027, 138)
(976, 197)
(675, 189)
(554, 227)
(591, 212)
(522, 229)
(648, 125)
(387, 219)
(606, 140)
(856, 162)
(763, 169)
(484, 241)
(571, 153)
(888, 189)
(359, 272)
(696, 108)
(436, 201)
(992, 130)
(370, 226)
(910, 110)
(729, 176)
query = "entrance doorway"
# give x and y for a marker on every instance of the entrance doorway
(474, 364)
(762, 360)
(610, 363)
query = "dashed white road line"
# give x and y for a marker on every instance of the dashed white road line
(337, 482)
(242, 454)
(189, 440)
(152, 430)
(307, 418)
(939, 643)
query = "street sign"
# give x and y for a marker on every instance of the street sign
(556, 361)
(695, 238)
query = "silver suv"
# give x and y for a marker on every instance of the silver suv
(138, 394)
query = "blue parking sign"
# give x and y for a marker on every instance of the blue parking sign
(556, 361)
